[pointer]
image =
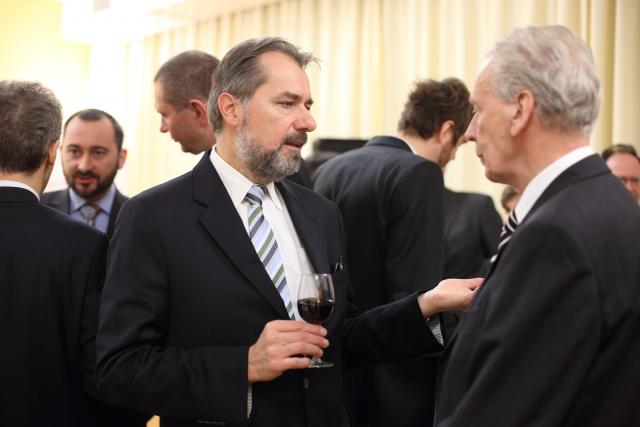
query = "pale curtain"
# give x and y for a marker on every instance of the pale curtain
(371, 52)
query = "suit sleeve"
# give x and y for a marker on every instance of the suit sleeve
(391, 332)
(533, 336)
(135, 366)
(89, 313)
(414, 249)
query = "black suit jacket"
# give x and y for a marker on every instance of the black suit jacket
(392, 205)
(60, 200)
(552, 337)
(186, 295)
(51, 272)
(471, 234)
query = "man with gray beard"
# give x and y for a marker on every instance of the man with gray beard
(198, 318)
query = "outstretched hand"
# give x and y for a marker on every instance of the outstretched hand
(450, 294)
(280, 347)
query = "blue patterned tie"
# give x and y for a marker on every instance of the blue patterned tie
(264, 241)
(89, 212)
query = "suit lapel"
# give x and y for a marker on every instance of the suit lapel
(306, 226)
(585, 168)
(60, 201)
(118, 200)
(220, 219)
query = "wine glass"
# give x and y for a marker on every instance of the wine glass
(315, 304)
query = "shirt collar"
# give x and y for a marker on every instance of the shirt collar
(105, 202)
(540, 182)
(237, 184)
(9, 183)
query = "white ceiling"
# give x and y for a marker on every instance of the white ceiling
(125, 20)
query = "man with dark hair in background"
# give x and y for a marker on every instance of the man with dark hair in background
(551, 338)
(182, 86)
(198, 321)
(51, 273)
(390, 193)
(92, 154)
(624, 163)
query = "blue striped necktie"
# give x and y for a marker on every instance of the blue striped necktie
(264, 241)
(505, 235)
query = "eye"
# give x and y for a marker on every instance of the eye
(287, 104)
(100, 153)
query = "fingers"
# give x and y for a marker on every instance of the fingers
(279, 348)
(474, 283)
(295, 325)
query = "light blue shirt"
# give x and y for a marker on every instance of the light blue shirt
(105, 203)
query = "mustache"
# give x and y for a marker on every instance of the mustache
(85, 175)
(297, 138)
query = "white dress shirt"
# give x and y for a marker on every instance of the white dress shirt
(294, 257)
(540, 182)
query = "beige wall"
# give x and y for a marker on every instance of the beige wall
(32, 48)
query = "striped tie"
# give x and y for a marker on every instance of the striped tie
(266, 246)
(507, 230)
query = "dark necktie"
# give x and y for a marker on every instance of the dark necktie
(507, 230)
(89, 212)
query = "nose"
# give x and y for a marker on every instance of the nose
(163, 126)
(470, 133)
(84, 165)
(305, 122)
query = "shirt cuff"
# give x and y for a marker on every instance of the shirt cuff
(434, 325)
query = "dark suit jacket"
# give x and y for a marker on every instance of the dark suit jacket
(186, 295)
(552, 337)
(51, 272)
(60, 200)
(392, 205)
(471, 234)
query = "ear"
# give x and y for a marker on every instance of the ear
(445, 132)
(524, 107)
(230, 108)
(53, 152)
(199, 107)
(122, 157)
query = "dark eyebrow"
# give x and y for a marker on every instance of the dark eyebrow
(296, 98)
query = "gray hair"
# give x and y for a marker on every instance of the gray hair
(30, 121)
(240, 73)
(558, 69)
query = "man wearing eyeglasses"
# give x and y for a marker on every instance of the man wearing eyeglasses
(624, 163)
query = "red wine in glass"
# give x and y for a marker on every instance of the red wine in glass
(315, 311)
(315, 304)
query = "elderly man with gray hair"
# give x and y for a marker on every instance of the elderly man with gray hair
(551, 338)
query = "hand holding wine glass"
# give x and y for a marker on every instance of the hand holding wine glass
(315, 304)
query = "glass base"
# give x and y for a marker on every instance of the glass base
(316, 362)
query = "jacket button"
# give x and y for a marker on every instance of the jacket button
(305, 384)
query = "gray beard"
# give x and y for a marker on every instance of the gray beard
(266, 166)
